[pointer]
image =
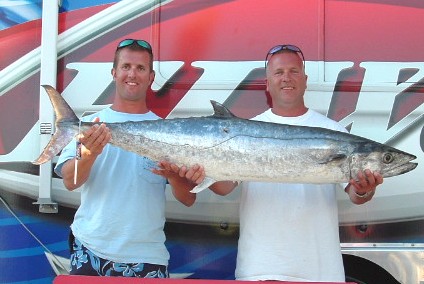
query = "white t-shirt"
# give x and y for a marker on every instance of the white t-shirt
(122, 212)
(289, 232)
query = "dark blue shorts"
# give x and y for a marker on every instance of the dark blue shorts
(85, 262)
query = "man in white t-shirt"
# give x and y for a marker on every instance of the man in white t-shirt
(289, 232)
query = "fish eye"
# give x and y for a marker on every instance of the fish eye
(388, 158)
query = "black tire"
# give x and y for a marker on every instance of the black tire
(362, 271)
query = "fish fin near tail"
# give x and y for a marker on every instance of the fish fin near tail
(202, 186)
(65, 122)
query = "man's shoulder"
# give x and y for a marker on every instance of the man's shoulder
(324, 121)
(102, 114)
(264, 116)
(109, 115)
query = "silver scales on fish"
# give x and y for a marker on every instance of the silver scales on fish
(233, 148)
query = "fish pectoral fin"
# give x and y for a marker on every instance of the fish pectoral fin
(334, 158)
(202, 186)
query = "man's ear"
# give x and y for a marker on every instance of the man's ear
(152, 76)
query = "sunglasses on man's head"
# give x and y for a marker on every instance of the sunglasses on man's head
(140, 42)
(281, 47)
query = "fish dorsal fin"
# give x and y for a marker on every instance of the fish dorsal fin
(221, 111)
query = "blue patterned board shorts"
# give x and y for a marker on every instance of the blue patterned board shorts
(85, 262)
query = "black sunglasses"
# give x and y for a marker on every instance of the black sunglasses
(281, 47)
(140, 42)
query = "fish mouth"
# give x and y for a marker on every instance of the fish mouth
(403, 168)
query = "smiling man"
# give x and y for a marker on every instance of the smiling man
(118, 228)
(289, 232)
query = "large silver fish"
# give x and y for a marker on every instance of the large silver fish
(232, 148)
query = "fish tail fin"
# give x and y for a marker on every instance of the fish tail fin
(65, 130)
